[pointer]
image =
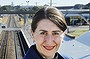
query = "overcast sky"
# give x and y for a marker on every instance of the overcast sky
(43, 2)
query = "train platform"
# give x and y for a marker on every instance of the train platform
(27, 35)
(0, 31)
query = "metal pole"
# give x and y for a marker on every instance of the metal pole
(50, 2)
(27, 3)
(89, 17)
(36, 3)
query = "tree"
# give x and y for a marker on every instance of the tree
(6, 8)
(78, 6)
(3, 8)
(35, 8)
(86, 6)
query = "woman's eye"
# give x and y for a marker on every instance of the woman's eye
(55, 33)
(43, 33)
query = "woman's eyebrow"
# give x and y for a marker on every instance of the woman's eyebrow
(57, 31)
(43, 30)
(52, 31)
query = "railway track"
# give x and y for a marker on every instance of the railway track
(3, 45)
(13, 44)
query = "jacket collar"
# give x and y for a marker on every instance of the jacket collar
(37, 54)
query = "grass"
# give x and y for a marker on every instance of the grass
(3, 20)
(77, 33)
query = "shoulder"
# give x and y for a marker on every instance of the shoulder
(32, 53)
(29, 54)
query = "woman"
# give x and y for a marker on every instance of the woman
(47, 28)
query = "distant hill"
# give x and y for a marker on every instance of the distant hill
(76, 6)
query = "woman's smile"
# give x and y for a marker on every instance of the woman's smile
(49, 47)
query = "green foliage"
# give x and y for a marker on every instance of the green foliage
(87, 6)
(77, 33)
(6, 8)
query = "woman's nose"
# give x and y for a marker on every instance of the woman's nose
(49, 39)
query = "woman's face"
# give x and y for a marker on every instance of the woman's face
(48, 37)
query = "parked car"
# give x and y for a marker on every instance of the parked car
(3, 26)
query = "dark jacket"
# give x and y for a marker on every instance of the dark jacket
(34, 54)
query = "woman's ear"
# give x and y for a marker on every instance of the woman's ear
(32, 36)
(31, 33)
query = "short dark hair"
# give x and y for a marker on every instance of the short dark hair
(51, 13)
